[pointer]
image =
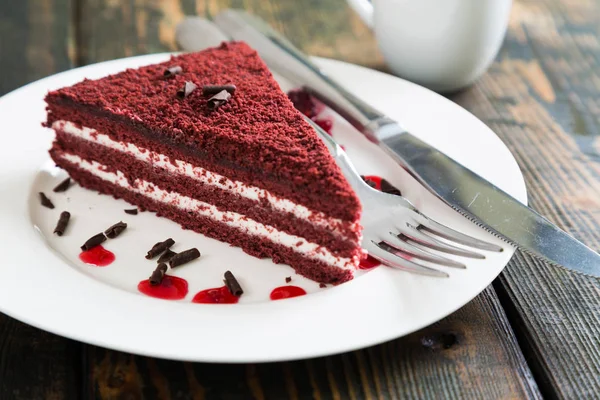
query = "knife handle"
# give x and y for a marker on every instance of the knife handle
(285, 59)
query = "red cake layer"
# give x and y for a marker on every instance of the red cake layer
(125, 132)
(257, 137)
(343, 245)
(252, 245)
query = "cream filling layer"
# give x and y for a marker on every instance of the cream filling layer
(232, 219)
(204, 176)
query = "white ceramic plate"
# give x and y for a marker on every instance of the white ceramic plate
(44, 284)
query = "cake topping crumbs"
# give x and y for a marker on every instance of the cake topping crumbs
(63, 186)
(184, 257)
(186, 90)
(45, 201)
(115, 230)
(218, 99)
(322, 285)
(387, 187)
(288, 279)
(172, 71)
(209, 90)
(62, 223)
(232, 284)
(158, 274)
(166, 256)
(159, 248)
(132, 211)
(93, 241)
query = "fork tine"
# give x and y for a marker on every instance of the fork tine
(384, 256)
(448, 233)
(396, 243)
(417, 236)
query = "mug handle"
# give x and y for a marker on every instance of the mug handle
(364, 9)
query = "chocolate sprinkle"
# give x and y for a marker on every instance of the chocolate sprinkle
(159, 248)
(115, 230)
(62, 223)
(387, 187)
(218, 99)
(166, 256)
(322, 285)
(288, 279)
(45, 201)
(232, 284)
(93, 241)
(63, 186)
(186, 90)
(209, 90)
(158, 274)
(172, 71)
(184, 257)
(132, 211)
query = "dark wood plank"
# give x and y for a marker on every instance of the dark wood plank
(34, 42)
(541, 98)
(37, 365)
(470, 354)
(329, 28)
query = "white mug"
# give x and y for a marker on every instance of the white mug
(444, 45)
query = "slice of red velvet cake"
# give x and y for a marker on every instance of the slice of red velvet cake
(247, 170)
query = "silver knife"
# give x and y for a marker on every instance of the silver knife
(462, 189)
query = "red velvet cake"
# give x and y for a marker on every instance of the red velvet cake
(247, 170)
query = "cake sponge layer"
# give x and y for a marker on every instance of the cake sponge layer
(306, 259)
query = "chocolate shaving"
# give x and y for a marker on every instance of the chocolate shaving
(93, 241)
(115, 230)
(63, 186)
(387, 187)
(184, 257)
(172, 71)
(322, 285)
(158, 274)
(166, 256)
(288, 279)
(62, 223)
(218, 99)
(232, 284)
(45, 201)
(132, 211)
(186, 90)
(209, 90)
(159, 248)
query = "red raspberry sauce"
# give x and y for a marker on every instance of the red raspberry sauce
(375, 179)
(171, 288)
(97, 256)
(368, 263)
(284, 292)
(220, 295)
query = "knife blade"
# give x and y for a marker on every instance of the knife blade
(462, 189)
(490, 207)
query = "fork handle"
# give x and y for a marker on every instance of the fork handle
(281, 56)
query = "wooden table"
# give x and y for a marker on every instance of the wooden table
(535, 332)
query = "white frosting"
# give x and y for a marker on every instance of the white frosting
(202, 175)
(235, 220)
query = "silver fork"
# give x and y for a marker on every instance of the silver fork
(395, 232)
